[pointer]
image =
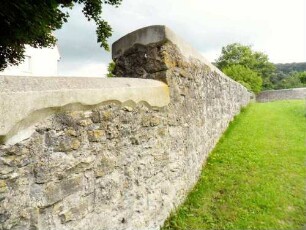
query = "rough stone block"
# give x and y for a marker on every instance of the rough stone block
(96, 135)
(52, 192)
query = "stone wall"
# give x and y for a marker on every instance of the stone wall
(283, 94)
(117, 164)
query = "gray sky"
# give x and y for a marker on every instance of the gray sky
(275, 27)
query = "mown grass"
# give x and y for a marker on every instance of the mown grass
(255, 177)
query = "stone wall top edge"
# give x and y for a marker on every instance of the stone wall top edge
(156, 34)
(20, 100)
(144, 36)
(10, 84)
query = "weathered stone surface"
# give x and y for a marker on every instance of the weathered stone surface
(3, 189)
(52, 192)
(68, 144)
(120, 166)
(96, 135)
(104, 166)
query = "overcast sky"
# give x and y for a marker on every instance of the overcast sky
(275, 27)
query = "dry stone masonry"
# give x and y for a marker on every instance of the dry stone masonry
(283, 94)
(118, 156)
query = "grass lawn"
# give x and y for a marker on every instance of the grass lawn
(255, 177)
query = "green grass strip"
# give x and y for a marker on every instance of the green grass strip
(255, 177)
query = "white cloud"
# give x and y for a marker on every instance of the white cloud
(276, 27)
(211, 55)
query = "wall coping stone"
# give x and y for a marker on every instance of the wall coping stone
(26, 100)
(156, 34)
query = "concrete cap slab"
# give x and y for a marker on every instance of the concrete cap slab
(156, 34)
(26, 100)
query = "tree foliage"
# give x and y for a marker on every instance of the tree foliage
(32, 22)
(302, 77)
(247, 77)
(289, 75)
(238, 60)
(294, 80)
(237, 54)
(288, 68)
(110, 69)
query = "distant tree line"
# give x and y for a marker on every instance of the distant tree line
(254, 70)
(291, 67)
(289, 75)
